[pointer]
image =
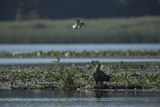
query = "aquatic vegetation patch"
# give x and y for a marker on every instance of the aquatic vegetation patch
(69, 54)
(126, 76)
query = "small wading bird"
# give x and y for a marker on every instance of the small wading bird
(78, 24)
(99, 76)
(57, 59)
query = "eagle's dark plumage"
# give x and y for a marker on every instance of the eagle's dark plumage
(99, 76)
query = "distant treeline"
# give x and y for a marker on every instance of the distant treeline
(61, 9)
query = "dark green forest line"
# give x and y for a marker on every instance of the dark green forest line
(64, 9)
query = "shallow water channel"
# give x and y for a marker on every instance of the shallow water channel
(39, 61)
(76, 47)
(83, 98)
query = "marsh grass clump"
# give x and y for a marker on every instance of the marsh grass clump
(124, 76)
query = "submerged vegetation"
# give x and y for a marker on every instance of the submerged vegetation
(126, 76)
(133, 30)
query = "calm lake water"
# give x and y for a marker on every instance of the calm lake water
(84, 98)
(76, 47)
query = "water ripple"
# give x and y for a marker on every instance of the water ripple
(121, 99)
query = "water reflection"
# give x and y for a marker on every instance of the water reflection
(76, 93)
(80, 98)
(99, 94)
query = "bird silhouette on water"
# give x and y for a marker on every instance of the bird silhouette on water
(99, 76)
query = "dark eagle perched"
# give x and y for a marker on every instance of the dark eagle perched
(99, 76)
